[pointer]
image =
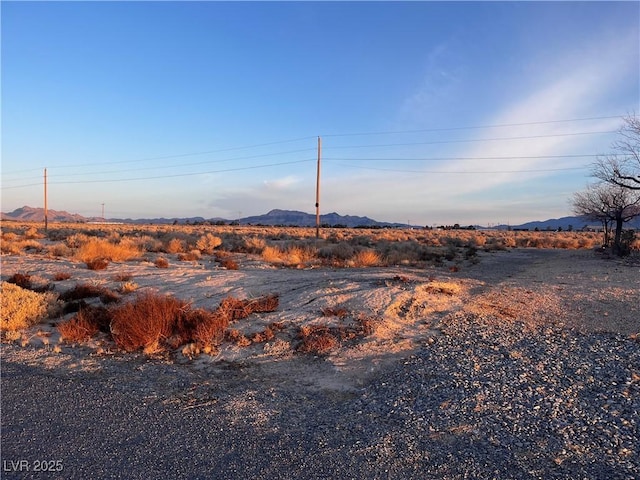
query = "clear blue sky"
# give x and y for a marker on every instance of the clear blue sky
(175, 108)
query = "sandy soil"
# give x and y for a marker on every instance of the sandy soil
(573, 288)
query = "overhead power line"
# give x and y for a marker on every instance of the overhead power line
(462, 172)
(438, 142)
(476, 127)
(437, 159)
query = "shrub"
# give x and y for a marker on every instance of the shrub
(317, 340)
(23, 280)
(128, 287)
(207, 243)
(97, 264)
(191, 256)
(80, 291)
(99, 248)
(79, 328)
(161, 262)
(229, 264)
(146, 322)
(366, 258)
(175, 245)
(209, 326)
(22, 308)
(59, 276)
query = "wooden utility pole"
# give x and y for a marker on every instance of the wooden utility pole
(46, 215)
(102, 212)
(318, 190)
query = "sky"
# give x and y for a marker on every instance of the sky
(428, 112)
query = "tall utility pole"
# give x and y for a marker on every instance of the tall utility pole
(318, 190)
(46, 215)
(102, 212)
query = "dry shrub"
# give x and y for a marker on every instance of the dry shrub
(122, 277)
(265, 304)
(97, 264)
(209, 326)
(161, 262)
(59, 276)
(254, 244)
(335, 312)
(23, 280)
(22, 308)
(272, 254)
(83, 290)
(317, 340)
(79, 328)
(446, 288)
(128, 287)
(207, 243)
(237, 337)
(146, 322)
(32, 233)
(176, 245)
(59, 250)
(191, 256)
(229, 264)
(234, 308)
(366, 258)
(99, 248)
(292, 255)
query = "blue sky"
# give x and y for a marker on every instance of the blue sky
(432, 113)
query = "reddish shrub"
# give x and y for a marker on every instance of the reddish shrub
(23, 280)
(97, 264)
(317, 340)
(59, 276)
(81, 327)
(209, 327)
(147, 321)
(82, 291)
(162, 262)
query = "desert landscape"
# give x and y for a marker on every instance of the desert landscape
(366, 353)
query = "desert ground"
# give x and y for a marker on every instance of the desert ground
(480, 359)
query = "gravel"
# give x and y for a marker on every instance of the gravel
(483, 400)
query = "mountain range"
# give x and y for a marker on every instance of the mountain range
(286, 218)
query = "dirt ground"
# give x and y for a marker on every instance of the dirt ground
(574, 288)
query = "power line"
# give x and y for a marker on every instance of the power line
(253, 167)
(180, 155)
(479, 172)
(435, 159)
(476, 127)
(437, 142)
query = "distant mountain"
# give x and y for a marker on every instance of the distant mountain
(274, 217)
(302, 219)
(564, 222)
(30, 214)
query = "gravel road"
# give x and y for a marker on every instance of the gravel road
(479, 402)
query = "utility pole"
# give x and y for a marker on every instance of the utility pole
(46, 213)
(102, 212)
(318, 190)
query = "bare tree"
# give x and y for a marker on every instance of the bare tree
(611, 204)
(622, 167)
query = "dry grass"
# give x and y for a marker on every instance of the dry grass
(22, 308)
